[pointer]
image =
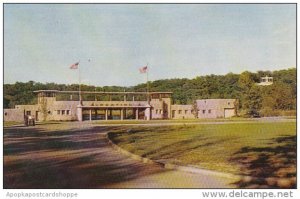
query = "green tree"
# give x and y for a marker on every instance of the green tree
(246, 81)
(252, 101)
(279, 96)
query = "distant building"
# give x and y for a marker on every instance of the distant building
(135, 105)
(265, 81)
(216, 108)
(182, 112)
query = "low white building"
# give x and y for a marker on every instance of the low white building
(158, 106)
(216, 108)
(265, 81)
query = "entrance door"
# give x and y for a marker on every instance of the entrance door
(36, 116)
(173, 113)
(229, 112)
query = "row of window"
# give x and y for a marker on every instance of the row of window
(159, 111)
(227, 102)
(203, 111)
(63, 112)
(267, 80)
(185, 111)
(139, 104)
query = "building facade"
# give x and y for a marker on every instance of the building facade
(182, 111)
(216, 108)
(108, 106)
(265, 81)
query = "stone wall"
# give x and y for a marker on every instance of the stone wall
(157, 111)
(216, 108)
(182, 112)
(16, 115)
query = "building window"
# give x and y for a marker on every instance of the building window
(68, 112)
(209, 111)
(63, 112)
(173, 113)
(49, 112)
(228, 103)
(5, 113)
(28, 112)
(203, 111)
(185, 111)
(179, 111)
(58, 112)
(156, 111)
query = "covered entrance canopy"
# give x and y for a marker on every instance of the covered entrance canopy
(102, 105)
(115, 113)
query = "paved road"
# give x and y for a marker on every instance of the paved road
(77, 155)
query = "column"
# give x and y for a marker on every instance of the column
(147, 113)
(90, 114)
(79, 113)
(122, 111)
(106, 114)
(136, 113)
(124, 98)
(95, 114)
(132, 97)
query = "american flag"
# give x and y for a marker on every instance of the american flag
(74, 66)
(143, 69)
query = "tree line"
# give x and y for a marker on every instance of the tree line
(276, 99)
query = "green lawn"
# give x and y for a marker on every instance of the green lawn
(196, 120)
(165, 121)
(257, 149)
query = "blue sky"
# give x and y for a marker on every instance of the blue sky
(41, 41)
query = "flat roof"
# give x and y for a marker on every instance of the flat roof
(101, 92)
(112, 107)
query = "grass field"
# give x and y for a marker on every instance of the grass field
(165, 121)
(256, 149)
(187, 121)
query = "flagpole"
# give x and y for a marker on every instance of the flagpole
(148, 97)
(147, 83)
(79, 81)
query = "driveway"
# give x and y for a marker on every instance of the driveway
(77, 155)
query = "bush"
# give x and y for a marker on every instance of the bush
(249, 113)
(289, 113)
(268, 112)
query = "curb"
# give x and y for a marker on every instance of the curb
(171, 166)
(127, 153)
(281, 182)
